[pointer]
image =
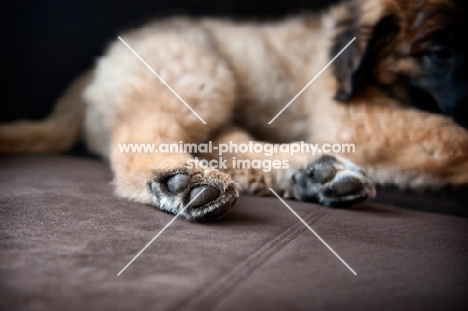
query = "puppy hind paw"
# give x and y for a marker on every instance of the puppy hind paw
(332, 182)
(213, 193)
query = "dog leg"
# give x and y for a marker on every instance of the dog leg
(143, 111)
(404, 147)
(165, 179)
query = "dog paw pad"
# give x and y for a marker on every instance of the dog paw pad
(178, 183)
(209, 194)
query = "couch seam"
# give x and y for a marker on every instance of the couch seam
(214, 293)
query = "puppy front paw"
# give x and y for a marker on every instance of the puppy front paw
(332, 182)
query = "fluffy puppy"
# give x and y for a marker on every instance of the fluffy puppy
(398, 93)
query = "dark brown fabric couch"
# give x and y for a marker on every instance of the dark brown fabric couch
(64, 237)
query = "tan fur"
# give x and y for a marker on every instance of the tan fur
(244, 74)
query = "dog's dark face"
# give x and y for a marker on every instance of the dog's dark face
(414, 49)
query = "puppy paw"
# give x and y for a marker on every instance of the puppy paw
(333, 182)
(173, 190)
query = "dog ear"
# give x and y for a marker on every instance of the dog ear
(348, 65)
(362, 20)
